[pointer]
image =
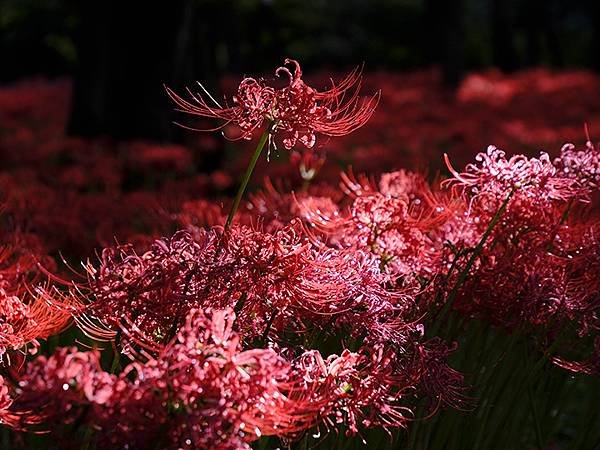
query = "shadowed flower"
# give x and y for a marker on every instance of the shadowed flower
(440, 381)
(54, 392)
(25, 316)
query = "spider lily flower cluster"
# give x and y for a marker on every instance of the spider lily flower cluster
(314, 314)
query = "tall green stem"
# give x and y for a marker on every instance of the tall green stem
(116, 361)
(465, 272)
(247, 175)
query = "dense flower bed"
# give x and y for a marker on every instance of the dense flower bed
(402, 308)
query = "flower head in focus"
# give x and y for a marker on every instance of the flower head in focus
(494, 172)
(580, 165)
(301, 112)
(294, 114)
(496, 175)
(252, 104)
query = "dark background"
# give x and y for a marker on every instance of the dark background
(120, 53)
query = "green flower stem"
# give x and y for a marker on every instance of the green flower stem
(465, 272)
(539, 437)
(519, 386)
(87, 439)
(240, 193)
(116, 361)
(247, 175)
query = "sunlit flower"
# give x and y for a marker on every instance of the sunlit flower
(296, 113)
(301, 112)
(357, 389)
(581, 165)
(496, 174)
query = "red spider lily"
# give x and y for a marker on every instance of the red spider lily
(528, 280)
(55, 392)
(14, 318)
(374, 386)
(392, 221)
(202, 389)
(538, 269)
(301, 112)
(218, 395)
(498, 176)
(404, 184)
(24, 322)
(252, 106)
(358, 389)
(362, 270)
(274, 280)
(25, 316)
(6, 417)
(444, 385)
(275, 207)
(349, 288)
(19, 256)
(578, 247)
(581, 165)
(220, 387)
(69, 389)
(295, 113)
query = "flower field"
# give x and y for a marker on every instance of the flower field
(374, 261)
